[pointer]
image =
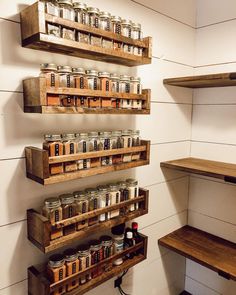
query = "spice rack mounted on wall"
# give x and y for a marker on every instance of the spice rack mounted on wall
(40, 285)
(38, 163)
(36, 92)
(34, 35)
(40, 228)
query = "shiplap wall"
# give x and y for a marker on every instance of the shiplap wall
(169, 128)
(212, 203)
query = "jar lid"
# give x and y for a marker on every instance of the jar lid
(91, 190)
(83, 248)
(113, 186)
(64, 69)
(132, 181)
(116, 133)
(118, 230)
(107, 133)
(93, 134)
(56, 260)
(126, 22)
(69, 136)
(105, 239)
(135, 79)
(115, 18)
(93, 10)
(51, 67)
(52, 202)
(83, 134)
(52, 137)
(104, 75)
(79, 194)
(103, 188)
(129, 235)
(94, 243)
(135, 132)
(66, 199)
(69, 2)
(105, 14)
(115, 77)
(78, 71)
(126, 132)
(70, 254)
(92, 73)
(124, 78)
(136, 26)
(134, 225)
(122, 184)
(79, 5)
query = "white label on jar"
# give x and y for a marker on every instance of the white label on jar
(102, 204)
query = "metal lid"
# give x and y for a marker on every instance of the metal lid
(107, 133)
(105, 14)
(92, 73)
(113, 186)
(103, 188)
(135, 132)
(132, 181)
(50, 67)
(115, 18)
(79, 194)
(52, 203)
(82, 134)
(93, 10)
(126, 22)
(136, 26)
(124, 78)
(129, 235)
(91, 190)
(106, 240)
(79, 5)
(83, 248)
(67, 199)
(70, 136)
(70, 254)
(64, 69)
(135, 79)
(116, 133)
(68, 2)
(122, 184)
(78, 71)
(93, 134)
(104, 75)
(126, 132)
(52, 137)
(56, 260)
(115, 77)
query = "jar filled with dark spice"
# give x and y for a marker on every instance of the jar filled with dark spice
(82, 207)
(94, 20)
(93, 204)
(72, 267)
(84, 257)
(69, 149)
(96, 256)
(136, 141)
(118, 237)
(52, 7)
(81, 13)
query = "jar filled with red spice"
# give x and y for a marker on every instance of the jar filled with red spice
(72, 267)
(56, 271)
(69, 149)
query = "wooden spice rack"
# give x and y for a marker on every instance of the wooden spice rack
(39, 227)
(38, 161)
(203, 81)
(38, 283)
(208, 250)
(36, 91)
(34, 35)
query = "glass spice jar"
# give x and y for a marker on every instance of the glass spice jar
(92, 80)
(96, 256)
(96, 41)
(115, 83)
(68, 211)
(106, 43)
(79, 78)
(124, 84)
(53, 144)
(137, 51)
(82, 37)
(108, 251)
(68, 34)
(104, 81)
(104, 201)
(116, 24)
(81, 13)
(116, 143)
(66, 79)
(84, 257)
(115, 199)
(66, 9)
(136, 141)
(118, 237)
(52, 210)
(128, 48)
(93, 147)
(56, 271)
(124, 195)
(72, 267)
(54, 30)
(69, 149)
(132, 185)
(105, 144)
(93, 204)
(82, 140)
(126, 26)
(52, 7)
(94, 20)
(105, 21)
(136, 32)
(82, 206)
(127, 143)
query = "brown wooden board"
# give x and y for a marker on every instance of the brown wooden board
(221, 170)
(39, 228)
(203, 81)
(208, 250)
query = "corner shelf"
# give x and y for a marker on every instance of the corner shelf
(39, 227)
(208, 250)
(38, 161)
(34, 35)
(38, 284)
(36, 91)
(203, 81)
(221, 170)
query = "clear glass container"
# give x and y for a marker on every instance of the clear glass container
(66, 79)
(82, 140)
(54, 30)
(81, 13)
(52, 7)
(116, 143)
(84, 257)
(94, 19)
(132, 185)
(135, 85)
(124, 84)
(136, 31)
(118, 247)
(66, 9)
(68, 34)
(136, 141)
(126, 26)
(124, 195)
(104, 81)
(93, 204)
(93, 147)
(105, 144)
(68, 206)
(137, 51)
(128, 48)
(115, 198)
(92, 80)
(115, 83)
(104, 201)
(82, 206)
(56, 269)
(108, 251)
(126, 139)
(79, 78)
(116, 24)
(69, 149)
(96, 256)
(72, 267)
(96, 41)
(52, 210)
(105, 21)
(82, 37)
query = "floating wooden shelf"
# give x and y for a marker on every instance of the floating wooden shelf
(39, 227)
(210, 251)
(221, 170)
(36, 91)
(38, 161)
(34, 35)
(38, 283)
(204, 81)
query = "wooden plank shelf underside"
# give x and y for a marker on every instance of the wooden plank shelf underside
(208, 250)
(203, 81)
(220, 170)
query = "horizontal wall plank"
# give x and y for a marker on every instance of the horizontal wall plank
(193, 286)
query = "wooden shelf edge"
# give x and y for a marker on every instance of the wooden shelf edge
(206, 249)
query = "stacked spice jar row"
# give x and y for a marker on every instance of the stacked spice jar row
(80, 202)
(75, 260)
(92, 16)
(68, 144)
(66, 76)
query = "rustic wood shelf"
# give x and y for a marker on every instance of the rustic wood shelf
(204, 81)
(34, 35)
(36, 92)
(38, 161)
(39, 227)
(221, 170)
(38, 284)
(210, 251)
